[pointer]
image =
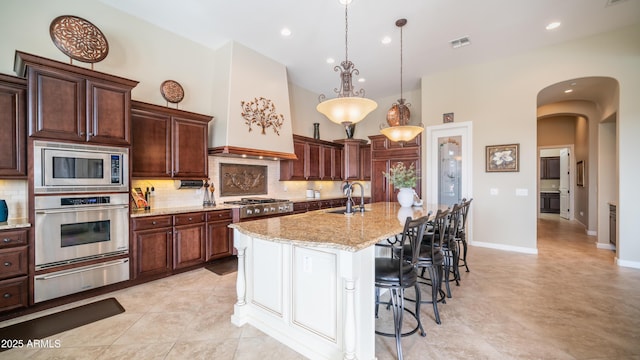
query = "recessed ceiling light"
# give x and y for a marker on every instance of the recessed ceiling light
(553, 25)
(330, 60)
(568, 91)
(285, 32)
(386, 40)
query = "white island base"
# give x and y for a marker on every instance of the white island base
(317, 300)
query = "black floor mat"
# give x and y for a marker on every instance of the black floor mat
(45, 326)
(224, 266)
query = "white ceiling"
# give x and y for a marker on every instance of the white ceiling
(496, 28)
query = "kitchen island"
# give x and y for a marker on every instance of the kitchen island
(307, 280)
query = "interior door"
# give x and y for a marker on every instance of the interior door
(565, 207)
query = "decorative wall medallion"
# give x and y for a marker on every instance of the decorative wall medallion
(172, 91)
(262, 112)
(237, 179)
(78, 39)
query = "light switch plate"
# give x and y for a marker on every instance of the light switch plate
(493, 191)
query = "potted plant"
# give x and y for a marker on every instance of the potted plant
(405, 179)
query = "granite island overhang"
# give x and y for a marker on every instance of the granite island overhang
(307, 280)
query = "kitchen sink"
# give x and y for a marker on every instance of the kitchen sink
(341, 211)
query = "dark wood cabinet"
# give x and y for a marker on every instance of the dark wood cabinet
(13, 107)
(353, 158)
(365, 162)
(189, 240)
(67, 102)
(550, 203)
(219, 235)
(152, 241)
(317, 160)
(550, 167)
(168, 143)
(14, 268)
(386, 153)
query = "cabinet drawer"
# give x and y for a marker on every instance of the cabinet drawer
(152, 222)
(13, 238)
(14, 293)
(190, 218)
(218, 215)
(300, 206)
(13, 262)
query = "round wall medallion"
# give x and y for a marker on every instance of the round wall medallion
(172, 91)
(78, 39)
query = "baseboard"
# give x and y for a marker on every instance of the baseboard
(592, 233)
(629, 264)
(606, 246)
(503, 247)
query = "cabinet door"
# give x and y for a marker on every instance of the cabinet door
(219, 240)
(150, 145)
(338, 164)
(351, 161)
(553, 167)
(379, 186)
(14, 293)
(326, 162)
(189, 146)
(153, 251)
(365, 162)
(13, 154)
(189, 245)
(52, 117)
(108, 113)
(313, 162)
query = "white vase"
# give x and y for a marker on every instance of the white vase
(405, 197)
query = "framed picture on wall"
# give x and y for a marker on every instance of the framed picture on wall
(580, 173)
(503, 158)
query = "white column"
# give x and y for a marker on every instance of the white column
(349, 319)
(241, 281)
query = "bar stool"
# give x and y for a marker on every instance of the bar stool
(397, 273)
(462, 233)
(450, 247)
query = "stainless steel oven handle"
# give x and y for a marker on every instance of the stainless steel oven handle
(74, 210)
(71, 272)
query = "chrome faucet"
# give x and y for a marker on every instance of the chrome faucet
(348, 189)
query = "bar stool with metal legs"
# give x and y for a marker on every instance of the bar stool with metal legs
(397, 273)
(461, 237)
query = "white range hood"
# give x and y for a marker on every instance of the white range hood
(243, 75)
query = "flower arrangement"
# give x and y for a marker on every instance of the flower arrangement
(401, 176)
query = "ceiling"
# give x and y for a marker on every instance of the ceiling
(496, 28)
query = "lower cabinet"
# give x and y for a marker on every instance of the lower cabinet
(189, 238)
(219, 235)
(166, 243)
(152, 238)
(14, 268)
(550, 203)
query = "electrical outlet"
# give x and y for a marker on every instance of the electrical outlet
(493, 191)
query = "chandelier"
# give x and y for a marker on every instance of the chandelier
(399, 114)
(350, 106)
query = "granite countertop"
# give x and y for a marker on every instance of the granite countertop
(14, 224)
(178, 210)
(324, 229)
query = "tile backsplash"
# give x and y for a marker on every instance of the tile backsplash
(14, 192)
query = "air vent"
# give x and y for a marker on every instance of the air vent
(463, 41)
(614, 2)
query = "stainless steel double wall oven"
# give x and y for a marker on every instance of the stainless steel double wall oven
(81, 217)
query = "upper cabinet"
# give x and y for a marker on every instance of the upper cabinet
(67, 102)
(13, 153)
(385, 154)
(550, 167)
(168, 143)
(357, 159)
(317, 160)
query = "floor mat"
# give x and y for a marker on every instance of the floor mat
(45, 326)
(224, 266)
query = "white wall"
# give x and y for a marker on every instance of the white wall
(500, 98)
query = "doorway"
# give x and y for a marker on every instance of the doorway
(555, 188)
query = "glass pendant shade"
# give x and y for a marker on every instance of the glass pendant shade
(401, 133)
(346, 110)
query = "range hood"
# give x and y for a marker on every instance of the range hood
(243, 76)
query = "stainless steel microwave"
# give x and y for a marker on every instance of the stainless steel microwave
(68, 167)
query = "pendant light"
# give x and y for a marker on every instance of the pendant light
(350, 106)
(398, 116)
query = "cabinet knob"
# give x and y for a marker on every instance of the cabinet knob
(153, 223)
(190, 219)
(7, 263)
(6, 240)
(81, 133)
(6, 295)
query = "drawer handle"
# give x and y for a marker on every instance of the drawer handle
(190, 219)
(7, 263)
(6, 240)
(6, 295)
(153, 223)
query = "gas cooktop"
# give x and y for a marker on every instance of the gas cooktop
(252, 207)
(254, 200)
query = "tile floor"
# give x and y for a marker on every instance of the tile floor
(568, 302)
